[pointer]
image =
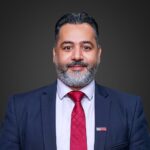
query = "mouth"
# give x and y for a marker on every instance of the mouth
(77, 67)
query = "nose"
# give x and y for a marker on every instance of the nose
(77, 54)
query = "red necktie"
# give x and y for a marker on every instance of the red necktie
(78, 139)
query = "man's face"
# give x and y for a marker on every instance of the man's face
(76, 54)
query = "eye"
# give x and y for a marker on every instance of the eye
(67, 48)
(86, 47)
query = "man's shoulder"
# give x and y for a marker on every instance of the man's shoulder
(33, 95)
(118, 96)
(121, 100)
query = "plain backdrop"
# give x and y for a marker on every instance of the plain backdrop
(27, 38)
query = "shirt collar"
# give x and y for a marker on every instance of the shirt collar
(63, 89)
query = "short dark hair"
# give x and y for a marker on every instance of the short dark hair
(77, 18)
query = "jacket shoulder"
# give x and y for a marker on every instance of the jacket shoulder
(30, 99)
(118, 96)
(35, 92)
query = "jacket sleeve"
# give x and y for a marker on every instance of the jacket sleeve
(139, 137)
(9, 138)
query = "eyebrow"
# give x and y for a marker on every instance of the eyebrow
(66, 42)
(87, 42)
(82, 42)
(70, 42)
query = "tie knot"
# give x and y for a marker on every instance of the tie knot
(76, 96)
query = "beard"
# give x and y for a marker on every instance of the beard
(76, 78)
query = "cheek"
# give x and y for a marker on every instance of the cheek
(92, 58)
(61, 59)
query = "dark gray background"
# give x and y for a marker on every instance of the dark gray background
(27, 36)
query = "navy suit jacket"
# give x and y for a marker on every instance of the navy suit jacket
(30, 121)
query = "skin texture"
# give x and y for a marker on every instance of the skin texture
(76, 43)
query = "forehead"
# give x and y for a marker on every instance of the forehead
(76, 32)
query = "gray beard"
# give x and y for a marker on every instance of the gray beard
(76, 79)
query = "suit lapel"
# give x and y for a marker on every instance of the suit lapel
(48, 117)
(102, 113)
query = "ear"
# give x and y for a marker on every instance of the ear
(54, 55)
(99, 54)
(100, 51)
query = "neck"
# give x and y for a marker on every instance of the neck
(75, 88)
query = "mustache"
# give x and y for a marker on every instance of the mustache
(74, 63)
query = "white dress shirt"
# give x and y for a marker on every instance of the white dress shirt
(64, 107)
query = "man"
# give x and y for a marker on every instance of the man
(75, 113)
